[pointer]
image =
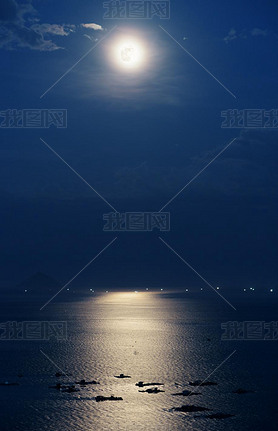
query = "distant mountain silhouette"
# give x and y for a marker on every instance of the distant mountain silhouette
(39, 283)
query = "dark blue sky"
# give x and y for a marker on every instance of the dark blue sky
(138, 139)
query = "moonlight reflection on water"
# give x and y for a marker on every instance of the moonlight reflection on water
(151, 337)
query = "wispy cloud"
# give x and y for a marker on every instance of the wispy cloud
(258, 32)
(244, 34)
(231, 35)
(54, 29)
(20, 27)
(243, 170)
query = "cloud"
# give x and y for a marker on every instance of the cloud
(258, 32)
(246, 169)
(93, 26)
(54, 29)
(231, 35)
(21, 28)
(244, 34)
(28, 38)
(16, 31)
(93, 39)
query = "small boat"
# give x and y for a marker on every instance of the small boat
(8, 384)
(111, 398)
(142, 384)
(84, 383)
(122, 376)
(152, 391)
(69, 389)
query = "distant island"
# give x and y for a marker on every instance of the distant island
(38, 283)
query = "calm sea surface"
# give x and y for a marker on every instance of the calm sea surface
(168, 338)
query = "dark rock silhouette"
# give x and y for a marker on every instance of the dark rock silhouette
(58, 386)
(69, 389)
(152, 391)
(122, 376)
(142, 384)
(189, 409)
(84, 383)
(112, 398)
(58, 374)
(64, 388)
(201, 383)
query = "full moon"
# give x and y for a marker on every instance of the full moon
(129, 54)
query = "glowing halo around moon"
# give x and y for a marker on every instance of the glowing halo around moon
(129, 54)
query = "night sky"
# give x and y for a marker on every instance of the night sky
(138, 139)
